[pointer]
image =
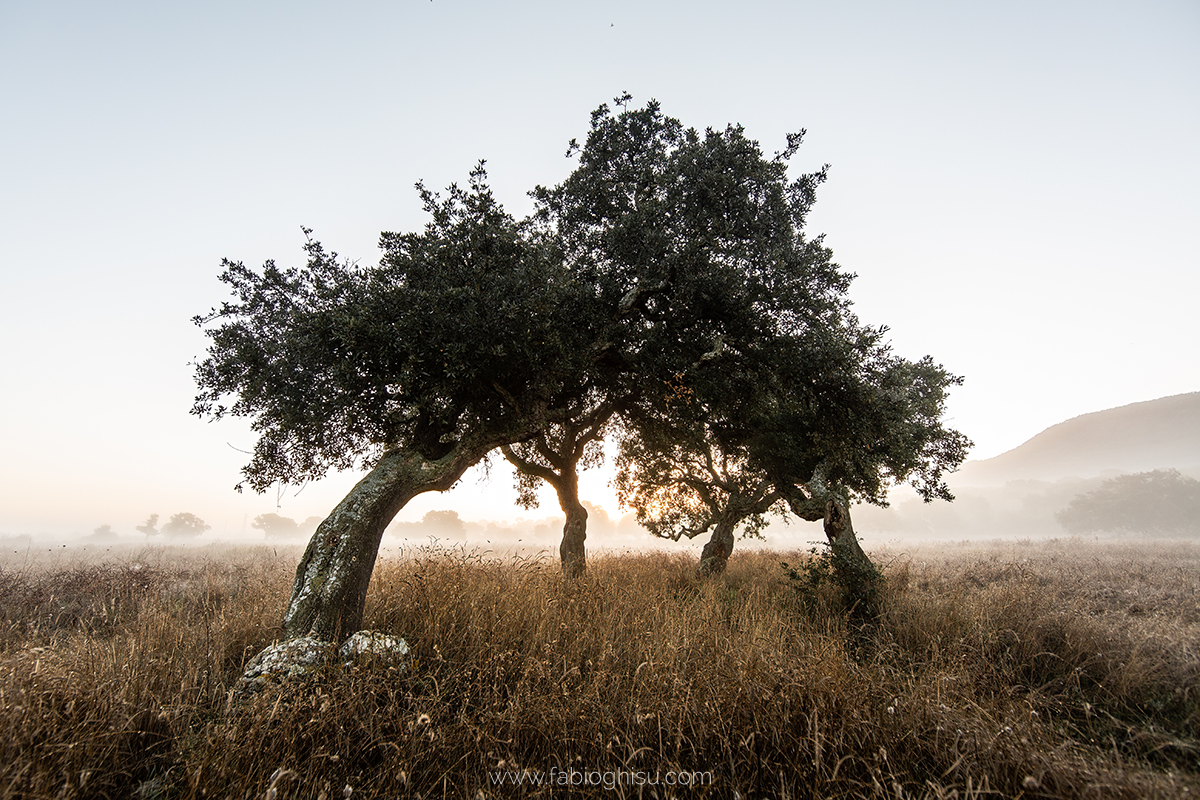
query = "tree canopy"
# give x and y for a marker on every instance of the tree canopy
(462, 330)
(810, 418)
(273, 525)
(185, 524)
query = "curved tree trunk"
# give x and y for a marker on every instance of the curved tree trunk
(854, 568)
(572, 551)
(839, 529)
(715, 555)
(330, 589)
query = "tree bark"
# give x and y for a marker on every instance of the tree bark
(572, 552)
(855, 569)
(715, 555)
(839, 529)
(331, 582)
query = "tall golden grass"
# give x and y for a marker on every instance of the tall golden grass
(1064, 669)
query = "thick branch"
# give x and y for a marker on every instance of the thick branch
(532, 468)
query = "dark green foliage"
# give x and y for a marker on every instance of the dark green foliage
(752, 378)
(841, 401)
(691, 242)
(723, 337)
(1162, 501)
(666, 288)
(690, 245)
(671, 264)
(460, 328)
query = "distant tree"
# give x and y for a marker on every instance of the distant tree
(185, 525)
(1161, 501)
(103, 533)
(273, 525)
(444, 523)
(149, 526)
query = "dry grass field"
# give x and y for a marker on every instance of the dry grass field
(1058, 669)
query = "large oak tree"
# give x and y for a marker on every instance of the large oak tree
(460, 340)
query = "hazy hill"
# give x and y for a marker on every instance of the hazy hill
(1134, 438)
(1017, 494)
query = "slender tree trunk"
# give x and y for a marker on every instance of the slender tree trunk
(572, 552)
(715, 555)
(332, 578)
(565, 481)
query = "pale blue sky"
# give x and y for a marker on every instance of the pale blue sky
(1014, 183)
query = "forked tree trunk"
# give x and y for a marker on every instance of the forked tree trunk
(715, 555)
(330, 589)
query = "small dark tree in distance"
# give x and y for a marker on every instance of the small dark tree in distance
(1162, 501)
(104, 533)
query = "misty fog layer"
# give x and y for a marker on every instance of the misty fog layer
(1017, 494)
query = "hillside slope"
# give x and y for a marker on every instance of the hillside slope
(1141, 436)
